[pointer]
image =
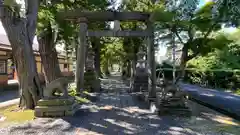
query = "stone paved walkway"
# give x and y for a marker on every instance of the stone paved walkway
(118, 113)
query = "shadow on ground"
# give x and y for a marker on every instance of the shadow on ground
(118, 112)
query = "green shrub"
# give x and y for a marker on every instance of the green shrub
(73, 92)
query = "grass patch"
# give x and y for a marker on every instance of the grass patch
(81, 100)
(14, 115)
(72, 92)
(86, 92)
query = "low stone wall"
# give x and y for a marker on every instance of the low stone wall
(9, 87)
(14, 86)
(68, 74)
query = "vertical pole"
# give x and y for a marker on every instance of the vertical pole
(80, 62)
(151, 62)
(174, 57)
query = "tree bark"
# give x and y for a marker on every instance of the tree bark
(20, 32)
(129, 67)
(106, 68)
(96, 47)
(49, 56)
(184, 59)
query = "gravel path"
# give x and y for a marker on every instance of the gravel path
(118, 113)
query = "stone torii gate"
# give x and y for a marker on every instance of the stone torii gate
(83, 18)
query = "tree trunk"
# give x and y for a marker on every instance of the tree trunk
(20, 32)
(21, 42)
(76, 49)
(106, 68)
(49, 56)
(183, 62)
(129, 67)
(96, 47)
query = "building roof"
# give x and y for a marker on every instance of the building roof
(4, 42)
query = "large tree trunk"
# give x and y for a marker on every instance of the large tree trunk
(49, 56)
(20, 32)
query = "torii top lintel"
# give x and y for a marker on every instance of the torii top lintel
(105, 15)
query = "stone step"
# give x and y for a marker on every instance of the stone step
(171, 111)
(171, 103)
(173, 106)
(55, 108)
(55, 102)
(55, 111)
(172, 99)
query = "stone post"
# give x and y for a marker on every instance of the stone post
(80, 62)
(151, 66)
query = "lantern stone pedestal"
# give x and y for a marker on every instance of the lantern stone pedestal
(91, 81)
(140, 80)
(170, 100)
(56, 105)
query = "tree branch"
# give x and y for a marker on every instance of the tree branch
(209, 30)
(203, 42)
(190, 34)
(178, 36)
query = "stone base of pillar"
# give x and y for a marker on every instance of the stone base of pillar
(57, 107)
(140, 81)
(91, 82)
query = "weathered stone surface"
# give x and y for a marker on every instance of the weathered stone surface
(55, 102)
(56, 107)
(91, 82)
(58, 85)
(54, 114)
(170, 100)
(140, 81)
(53, 108)
(38, 113)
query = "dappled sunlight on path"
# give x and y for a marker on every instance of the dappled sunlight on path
(117, 112)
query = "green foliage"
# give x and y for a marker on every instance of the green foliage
(72, 92)
(112, 53)
(228, 10)
(160, 14)
(65, 31)
(237, 92)
(220, 68)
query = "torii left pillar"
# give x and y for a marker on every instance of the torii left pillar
(151, 64)
(81, 54)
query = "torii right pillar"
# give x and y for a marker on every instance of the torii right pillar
(151, 64)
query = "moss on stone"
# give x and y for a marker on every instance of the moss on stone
(55, 102)
(81, 100)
